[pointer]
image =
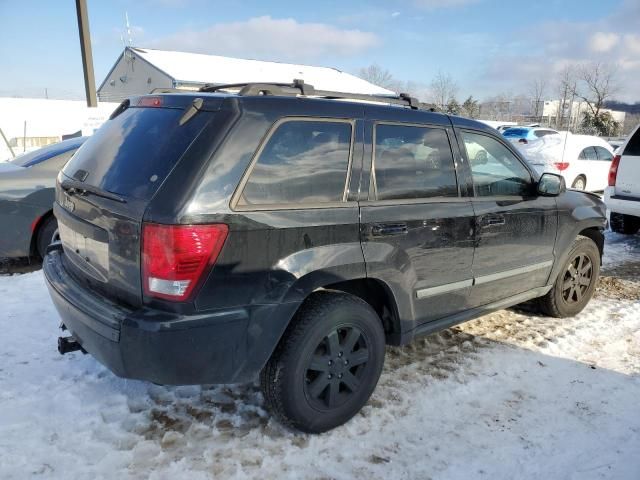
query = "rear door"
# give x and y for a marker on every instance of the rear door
(103, 192)
(628, 177)
(416, 227)
(601, 169)
(515, 228)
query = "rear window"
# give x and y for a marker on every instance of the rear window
(633, 147)
(515, 132)
(134, 152)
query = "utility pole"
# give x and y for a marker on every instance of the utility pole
(87, 57)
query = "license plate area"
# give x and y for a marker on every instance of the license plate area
(87, 247)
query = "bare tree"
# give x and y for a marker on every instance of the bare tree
(378, 76)
(596, 86)
(537, 91)
(443, 90)
(567, 92)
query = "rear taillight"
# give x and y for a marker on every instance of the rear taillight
(561, 165)
(176, 257)
(613, 170)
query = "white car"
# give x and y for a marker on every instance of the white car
(583, 160)
(622, 196)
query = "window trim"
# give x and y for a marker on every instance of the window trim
(532, 176)
(372, 197)
(237, 194)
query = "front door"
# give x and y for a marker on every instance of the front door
(515, 228)
(416, 228)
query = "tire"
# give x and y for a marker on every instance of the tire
(315, 381)
(576, 282)
(46, 235)
(626, 224)
(579, 183)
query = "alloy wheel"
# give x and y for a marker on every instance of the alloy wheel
(334, 371)
(577, 278)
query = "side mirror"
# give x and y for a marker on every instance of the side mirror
(551, 185)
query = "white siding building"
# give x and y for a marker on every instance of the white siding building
(140, 70)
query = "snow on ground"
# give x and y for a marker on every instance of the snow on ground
(510, 395)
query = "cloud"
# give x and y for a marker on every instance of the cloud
(272, 39)
(544, 49)
(442, 4)
(603, 42)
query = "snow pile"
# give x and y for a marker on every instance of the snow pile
(510, 395)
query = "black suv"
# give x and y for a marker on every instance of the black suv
(290, 233)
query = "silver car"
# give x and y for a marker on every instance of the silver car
(27, 189)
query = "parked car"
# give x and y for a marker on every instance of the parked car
(526, 134)
(622, 196)
(583, 160)
(211, 238)
(27, 193)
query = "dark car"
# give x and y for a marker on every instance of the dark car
(211, 238)
(27, 193)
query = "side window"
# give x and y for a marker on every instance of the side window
(588, 153)
(496, 171)
(302, 162)
(604, 154)
(413, 162)
(540, 133)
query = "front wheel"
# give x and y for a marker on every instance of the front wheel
(327, 364)
(47, 234)
(576, 282)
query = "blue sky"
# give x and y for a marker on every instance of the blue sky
(488, 46)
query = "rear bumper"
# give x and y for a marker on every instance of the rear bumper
(626, 205)
(224, 346)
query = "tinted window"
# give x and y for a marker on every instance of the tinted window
(302, 162)
(413, 162)
(633, 147)
(588, 153)
(604, 154)
(133, 153)
(495, 169)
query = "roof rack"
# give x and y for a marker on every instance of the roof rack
(298, 87)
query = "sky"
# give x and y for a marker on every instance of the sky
(489, 47)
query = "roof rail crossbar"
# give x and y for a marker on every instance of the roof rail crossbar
(299, 87)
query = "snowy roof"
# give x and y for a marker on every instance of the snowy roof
(198, 68)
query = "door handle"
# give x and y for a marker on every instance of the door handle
(492, 220)
(383, 229)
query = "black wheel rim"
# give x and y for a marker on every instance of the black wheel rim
(334, 372)
(577, 278)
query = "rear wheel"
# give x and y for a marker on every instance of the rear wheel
(627, 224)
(576, 282)
(579, 183)
(327, 364)
(47, 234)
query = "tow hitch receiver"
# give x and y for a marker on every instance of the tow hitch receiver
(68, 344)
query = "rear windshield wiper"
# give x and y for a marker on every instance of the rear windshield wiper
(74, 187)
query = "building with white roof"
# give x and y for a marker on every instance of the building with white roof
(141, 70)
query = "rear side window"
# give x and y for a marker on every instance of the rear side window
(588, 153)
(413, 162)
(633, 147)
(302, 162)
(604, 154)
(132, 154)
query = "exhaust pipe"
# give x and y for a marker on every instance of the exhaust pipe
(69, 344)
